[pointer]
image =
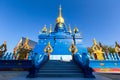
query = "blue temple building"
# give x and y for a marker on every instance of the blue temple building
(59, 52)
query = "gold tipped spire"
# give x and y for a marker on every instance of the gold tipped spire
(72, 42)
(94, 41)
(26, 41)
(69, 29)
(50, 28)
(60, 18)
(60, 11)
(4, 43)
(76, 30)
(49, 43)
(44, 29)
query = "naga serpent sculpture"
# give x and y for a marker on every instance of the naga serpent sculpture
(3, 49)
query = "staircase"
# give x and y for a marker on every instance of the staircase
(55, 68)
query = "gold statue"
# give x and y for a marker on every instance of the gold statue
(73, 49)
(22, 50)
(117, 48)
(44, 29)
(60, 19)
(3, 49)
(48, 49)
(97, 50)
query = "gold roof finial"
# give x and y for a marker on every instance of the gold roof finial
(50, 28)
(44, 29)
(117, 47)
(94, 41)
(76, 30)
(69, 29)
(60, 18)
(60, 11)
(4, 43)
(26, 41)
(49, 43)
(72, 42)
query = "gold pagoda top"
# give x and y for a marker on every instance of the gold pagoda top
(60, 19)
(44, 29)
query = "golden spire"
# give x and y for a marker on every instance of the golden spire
(50, 28)
(60, 18)
(76, 30)
(4, 43)
(69, 29)
(60, 11)
(72, 42)
(94, 41)
(44, 29)
(26, 41)
(49, 43)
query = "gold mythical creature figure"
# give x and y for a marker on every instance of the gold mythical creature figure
(3, 49)
(97, 51)
(48, 49)
(105, 49)
(73, 49)
(117, 48)
(21, 52)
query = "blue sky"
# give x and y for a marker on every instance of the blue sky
(98, 19)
